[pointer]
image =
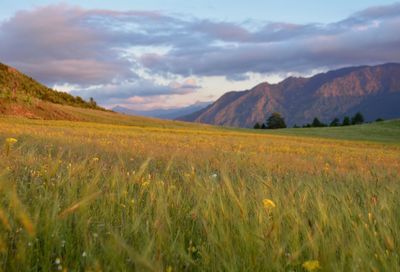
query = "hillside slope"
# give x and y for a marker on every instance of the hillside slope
(23, 96)
(373, 90)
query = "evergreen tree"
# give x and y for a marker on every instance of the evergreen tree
(276, 121)
(335, 122)
(317, 123)
(346, 121)
(92, 103)
(257, 126)
(357, 119)
(263, 126)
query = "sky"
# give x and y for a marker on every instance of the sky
(171, 53)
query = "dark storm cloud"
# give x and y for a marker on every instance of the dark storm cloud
(63, 44)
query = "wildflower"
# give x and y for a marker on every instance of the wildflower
(11, 141)
(214, 176)
(57, 261)
(95, 159)
(169, 269)
(268, 203)
(84, 254)
(311, 265)
(59, 267)
(145, 184)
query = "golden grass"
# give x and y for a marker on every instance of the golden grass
(166, 196)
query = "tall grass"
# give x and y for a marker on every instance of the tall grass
(89, 198)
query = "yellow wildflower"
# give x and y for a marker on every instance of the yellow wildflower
(169, 269)
(311, 265)
(268, 203)
(11, 141)
(145, 184)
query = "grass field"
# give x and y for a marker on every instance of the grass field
(149, 195)
(385, 132)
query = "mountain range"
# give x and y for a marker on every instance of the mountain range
(372, 90)
(164, 113)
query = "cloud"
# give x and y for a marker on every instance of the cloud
(367, 37)
(110, 93)
(101, 51)
(58, 44)
(379, 12)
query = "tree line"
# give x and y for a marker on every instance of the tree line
(277, 121)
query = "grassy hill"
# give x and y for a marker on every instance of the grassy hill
(23, 96)
(151, 195)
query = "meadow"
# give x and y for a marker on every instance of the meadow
(168, 196)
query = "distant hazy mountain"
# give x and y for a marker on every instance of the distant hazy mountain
(372, 90)
(165, 113)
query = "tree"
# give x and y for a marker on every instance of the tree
(335, 122)
(346, 121)
(263, 126)
(379, 120)
(276, 121)
(257, 126)
(317, 123)
(357, 119)
(296, 126)
(92, 103)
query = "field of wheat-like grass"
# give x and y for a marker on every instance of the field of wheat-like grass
(98, 197)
